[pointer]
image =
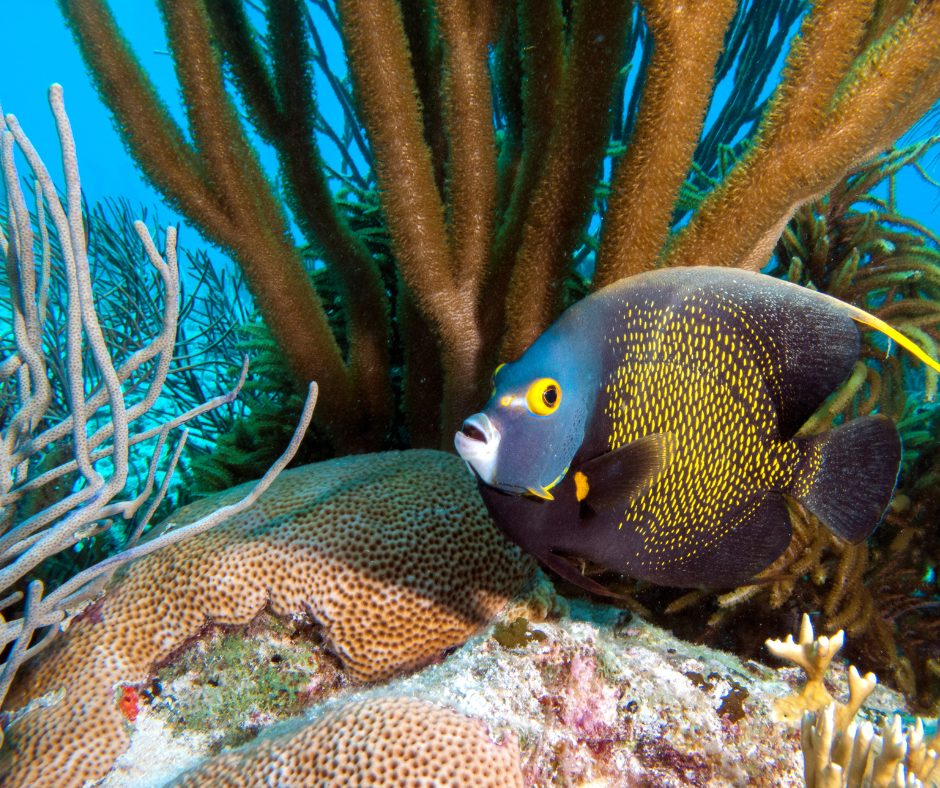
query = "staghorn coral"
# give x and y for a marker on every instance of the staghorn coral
(851, 756)
(393, 742)
(392, 554)
(486, 211)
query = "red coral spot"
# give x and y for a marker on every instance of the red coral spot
(130, 703)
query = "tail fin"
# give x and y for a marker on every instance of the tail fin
(847, 475)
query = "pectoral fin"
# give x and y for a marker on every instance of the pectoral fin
(616, 479)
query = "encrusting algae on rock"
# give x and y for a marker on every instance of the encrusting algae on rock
(604, 700)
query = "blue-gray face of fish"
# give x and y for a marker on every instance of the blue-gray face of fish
(525, 438)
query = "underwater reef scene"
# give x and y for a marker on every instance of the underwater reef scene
(237, 546)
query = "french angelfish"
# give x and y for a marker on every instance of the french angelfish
(650, 430)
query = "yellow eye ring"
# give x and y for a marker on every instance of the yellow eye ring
(543, 397)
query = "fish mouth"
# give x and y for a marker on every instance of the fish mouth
(477, 443)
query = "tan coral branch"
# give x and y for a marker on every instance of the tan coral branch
(814, 655)
(387, 94)
(225, 192)
(803, 148)
(282, 104)
(562, 201)
(687, 40)
(541, 44)
(467, 30)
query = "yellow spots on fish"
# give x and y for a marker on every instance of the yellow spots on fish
(695, 370)
(506, 401)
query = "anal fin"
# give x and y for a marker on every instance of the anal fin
(616, 479)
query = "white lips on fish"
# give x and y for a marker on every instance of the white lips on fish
(478, 444)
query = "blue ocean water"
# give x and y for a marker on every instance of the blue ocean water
(37, 39)
(42, 51)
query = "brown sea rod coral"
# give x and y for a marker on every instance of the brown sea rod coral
(486, 175)
(393, 554)
(382, 742)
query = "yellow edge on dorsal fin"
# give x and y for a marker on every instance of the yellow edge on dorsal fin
(861, 316)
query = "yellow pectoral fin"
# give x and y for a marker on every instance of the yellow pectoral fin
(861, 316)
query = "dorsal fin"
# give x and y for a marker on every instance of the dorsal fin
(863, 317)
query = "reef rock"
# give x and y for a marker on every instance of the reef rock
(595, 698)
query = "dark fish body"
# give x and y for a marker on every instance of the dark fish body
(665, 443)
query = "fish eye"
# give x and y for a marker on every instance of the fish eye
(543, 397)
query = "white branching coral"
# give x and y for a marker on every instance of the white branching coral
(814, 655)
(99, 426)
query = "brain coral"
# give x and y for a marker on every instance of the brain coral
(393, 554)
(381, 742)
